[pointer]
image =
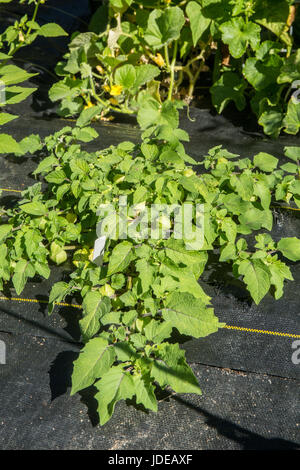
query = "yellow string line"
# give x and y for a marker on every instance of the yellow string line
(11, 190)
(289, 208)
(263, 332)
(228, 327)
(36, 301)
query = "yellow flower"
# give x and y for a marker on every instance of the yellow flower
(106, 88)
(89, 105)
(116, 90)
(113, 101)
(158, 59)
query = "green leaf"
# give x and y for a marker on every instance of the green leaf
(198, 22)
(291, 122)
(176, 251)
(87, 115)
(56, 177)
(144, 391)
(152, 113)
(5, 229)
(8, 144)
(279, 272)
(61, 90)
(85, 134)
(34, 208)
(118, 281)
(95, 306)
(189, 315)
(272, 120)
(293, 153)
(11, 75)
(120, 6)
(6, 117)
(94, 361)
(265, 162)
(23, 270)
(229, 87)
(290, 71)
(125, 76)
(16, 94)
(146, 272)
(46, 164)
(257, 277)
(114, 386)
(164, 26)
(290, 248)
(120, 258)
(144, 74)
(52, 30)
(31, 144)
(157, 331)
(260, 74)
(57, 294)
(171, 369)
(238, 34)
(273, 15)
(254, 219)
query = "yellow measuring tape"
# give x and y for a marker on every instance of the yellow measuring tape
(228, 327)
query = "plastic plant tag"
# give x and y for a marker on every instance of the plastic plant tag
(99, 250)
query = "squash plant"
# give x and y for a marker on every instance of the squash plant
(22, 33)
(163, 46)
(145, 288)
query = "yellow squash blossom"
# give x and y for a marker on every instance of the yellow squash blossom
(89, 105)
(116, 90)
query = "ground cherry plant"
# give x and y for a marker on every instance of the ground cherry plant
(143, 291)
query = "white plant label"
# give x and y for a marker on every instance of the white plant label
(99, 248)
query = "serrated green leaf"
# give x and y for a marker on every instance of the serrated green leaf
(5, 230)
(114, 386)
(94, 361)
(34, 208)
(257, 278)
(95, 306)
(120, 258)
(190, 316)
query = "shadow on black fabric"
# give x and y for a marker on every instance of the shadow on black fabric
(60, 373)
(38, 325)
(247, 439)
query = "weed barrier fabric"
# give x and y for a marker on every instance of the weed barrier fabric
(248, 379)
(236, 411)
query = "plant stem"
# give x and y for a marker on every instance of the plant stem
(167, 56)
(170, 94)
